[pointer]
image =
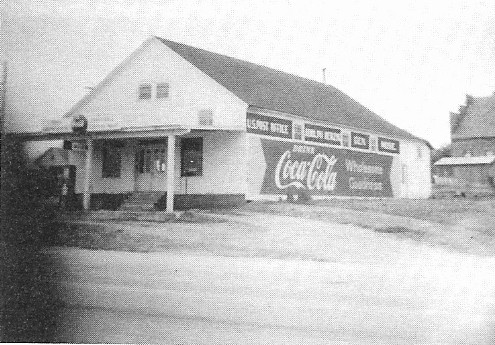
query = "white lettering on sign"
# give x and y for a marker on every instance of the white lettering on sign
(258, 124)
(359, 141)
(315, 174)
(353, 166)
(332, 136)
(388, 145)
(279, 128)
(320, 134)
(354, 183)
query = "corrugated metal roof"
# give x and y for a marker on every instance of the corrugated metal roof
(465, 160)
(271, 89)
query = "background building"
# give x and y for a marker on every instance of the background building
(473, 145)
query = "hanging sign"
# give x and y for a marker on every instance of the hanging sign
(267, 125)
(324, 170)
(388, 145)
(322, 134)
(360, 141)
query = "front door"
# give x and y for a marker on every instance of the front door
(151, 167)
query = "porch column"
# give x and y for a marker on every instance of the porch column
(88, 168)
(170, 172)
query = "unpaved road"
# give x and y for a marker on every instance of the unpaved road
(355, 287)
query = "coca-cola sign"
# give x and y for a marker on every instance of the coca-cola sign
(324, 170)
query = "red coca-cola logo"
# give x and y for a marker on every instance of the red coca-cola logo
(314, 174)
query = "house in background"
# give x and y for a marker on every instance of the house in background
(180, 127)
(472, 132)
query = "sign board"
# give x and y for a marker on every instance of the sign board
(63, 125)
(322, 134)
(388, 145)
(267, 125)
(360, 141)
(103, 123)
(324, 170)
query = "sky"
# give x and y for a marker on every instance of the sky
(411, 62)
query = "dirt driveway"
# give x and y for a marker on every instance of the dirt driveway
(264, 278)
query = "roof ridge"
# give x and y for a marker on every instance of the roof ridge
(251, 63)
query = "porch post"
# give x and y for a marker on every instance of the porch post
(170, 172)
(87, 174)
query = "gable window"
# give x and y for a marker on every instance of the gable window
(191, 157)
(112, 159)
(162, 90)
(144, 91)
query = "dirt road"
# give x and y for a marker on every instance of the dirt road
(353, 286)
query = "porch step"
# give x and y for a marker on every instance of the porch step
(141, 201)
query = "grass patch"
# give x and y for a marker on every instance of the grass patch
(98, 236)
(401, 230)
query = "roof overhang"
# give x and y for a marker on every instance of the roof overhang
(121, 133)
(476, 160)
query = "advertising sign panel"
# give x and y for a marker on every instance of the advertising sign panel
(324, 170)
(360, 141)
(388, 145)
(267, 125)
(321, 134)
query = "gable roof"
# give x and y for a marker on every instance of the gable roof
(479, 119)
(272, 89)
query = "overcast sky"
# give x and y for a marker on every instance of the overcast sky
(411, 62)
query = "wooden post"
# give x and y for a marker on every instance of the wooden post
(170, 172)
(87, 174)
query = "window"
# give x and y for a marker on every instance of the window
(162, 90)
(205, 117)
(112, 160)
(144, 91)
(297, 132)
(191, 156)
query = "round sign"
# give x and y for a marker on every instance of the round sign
(79, 124)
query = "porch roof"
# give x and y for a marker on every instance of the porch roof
(120, 133)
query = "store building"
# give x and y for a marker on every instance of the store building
(194, 128)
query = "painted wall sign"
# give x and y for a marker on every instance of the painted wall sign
(388, 145)
(322, 134)
(266, 125)
(324, 170)
(360, 141)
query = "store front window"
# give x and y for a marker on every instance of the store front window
(112, 159)
(191, 154)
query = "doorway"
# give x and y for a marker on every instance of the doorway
(151, 167)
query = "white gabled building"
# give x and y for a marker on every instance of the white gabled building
(194, 128)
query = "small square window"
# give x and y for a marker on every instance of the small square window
(144, 91)
(162, 90)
